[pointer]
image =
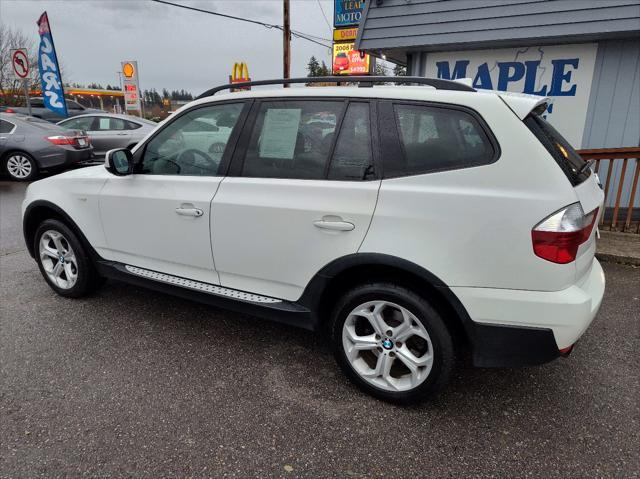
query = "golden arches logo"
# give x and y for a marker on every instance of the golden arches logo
(240, 72)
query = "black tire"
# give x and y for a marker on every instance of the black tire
(441, 340)
(87, 279)
(20, 156)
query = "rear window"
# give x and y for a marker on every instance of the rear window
(5, 126)
(437, 139)
(567, 158)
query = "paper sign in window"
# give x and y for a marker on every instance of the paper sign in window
(280, 133)
(104, 123)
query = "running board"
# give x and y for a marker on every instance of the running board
(275, 309)
(199, 286)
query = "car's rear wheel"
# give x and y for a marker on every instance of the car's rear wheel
(391, 343)
(63, 261)
(20, 166)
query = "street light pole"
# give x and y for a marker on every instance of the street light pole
(286, 31)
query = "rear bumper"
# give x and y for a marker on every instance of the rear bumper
(516, 327)
(62, 156)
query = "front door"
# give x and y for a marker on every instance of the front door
(299, 195)
(158, 218)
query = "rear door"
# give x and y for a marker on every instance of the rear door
(300, 193)
(108, 133)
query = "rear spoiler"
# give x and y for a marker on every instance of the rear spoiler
(522, 104)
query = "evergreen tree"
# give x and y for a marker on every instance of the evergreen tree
(313, 67)
(399, 71)
(324, 70)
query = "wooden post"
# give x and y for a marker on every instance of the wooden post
(286, 31)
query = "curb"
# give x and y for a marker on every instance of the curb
(614, 258)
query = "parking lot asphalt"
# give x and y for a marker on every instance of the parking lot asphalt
(131, 383)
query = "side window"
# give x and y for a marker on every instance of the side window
(193, 143)
(130, 125)
(36, 102)
(117, 124)
(292, 139)
(352, 155)
(83, 123)
(105, 123)
(437, 138)
(5, 126)
(72, 105)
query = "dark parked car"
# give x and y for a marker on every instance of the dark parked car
(28, 145)
(39, 111)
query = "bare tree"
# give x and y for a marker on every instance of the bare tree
(10, 87)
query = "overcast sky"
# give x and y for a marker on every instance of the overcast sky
(175, 48)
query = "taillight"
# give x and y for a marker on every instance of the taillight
(68, 140)
(558, 237)
(9, 110)
(60, 140)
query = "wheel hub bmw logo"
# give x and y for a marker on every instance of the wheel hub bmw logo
(387, 344)
(61, 259)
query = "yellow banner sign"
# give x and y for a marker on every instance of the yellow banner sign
(345, 34)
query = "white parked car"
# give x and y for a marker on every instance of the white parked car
(410, 224)
(109, 130)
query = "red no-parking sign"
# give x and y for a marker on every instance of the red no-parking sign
(20, 63)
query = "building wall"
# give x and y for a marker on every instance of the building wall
(613, 115)
(613, 112)
(435, 24)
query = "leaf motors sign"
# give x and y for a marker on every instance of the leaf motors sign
(561, 72)
(347, 12)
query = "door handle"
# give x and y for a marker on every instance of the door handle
(197, 212)
(121, 134)
(335, 225)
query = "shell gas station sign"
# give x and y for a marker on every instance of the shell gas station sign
(130, 86)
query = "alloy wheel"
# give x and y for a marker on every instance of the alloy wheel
(387, 346)
(58, 259)
(19, 166)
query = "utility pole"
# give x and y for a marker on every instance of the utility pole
(286, 31)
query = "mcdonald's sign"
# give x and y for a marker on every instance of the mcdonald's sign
(240, 74)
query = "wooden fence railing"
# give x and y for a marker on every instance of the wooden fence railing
(618, 169)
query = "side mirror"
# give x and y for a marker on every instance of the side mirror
(119, 162)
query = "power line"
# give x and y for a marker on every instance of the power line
(323, 14)
(295, 33)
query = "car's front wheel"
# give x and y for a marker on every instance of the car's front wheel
(20, 166)
(63, 261)
(391, 343)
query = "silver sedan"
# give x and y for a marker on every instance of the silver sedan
(108, 131)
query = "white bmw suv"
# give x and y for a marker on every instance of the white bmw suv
(408, 223)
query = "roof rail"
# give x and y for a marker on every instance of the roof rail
(436, 83)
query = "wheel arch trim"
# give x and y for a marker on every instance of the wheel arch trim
(29, 229)
(317, 287)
